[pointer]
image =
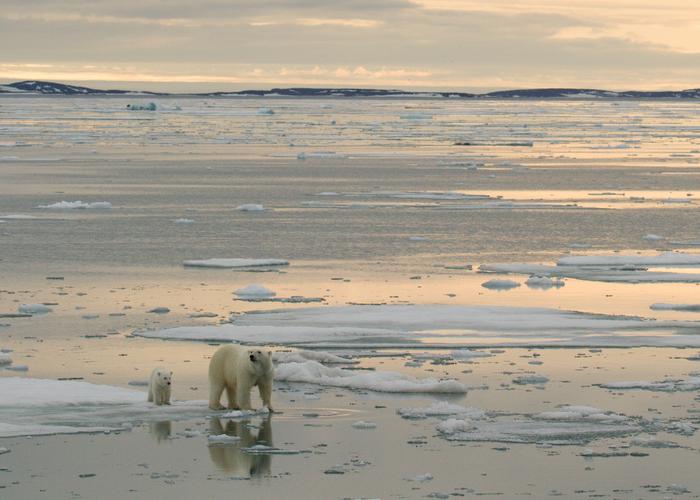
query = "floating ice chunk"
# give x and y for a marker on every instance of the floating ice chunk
(159, 310)
(34, 309)
(463, 354)
(523, 430)
(234, 263)
(675, 307)
(301, 356)
(587, 413)
(652, 442)
(652, 237)
(17, 368)
(543, 282)
(320, 155)
(454, 426)
(421, 478)
(394, 325)
(222, 439)
(245, 413)
(80, 205)
(500, 284)
(151, 106)
(17, 430)
(668, 385)
(441, 409)
(361, 424)
(28, 392)
(5, 359)
(416, 116)
(250, 207)
(662, 259)
(18, 217)
(4, 450)
(265, 111)
(183, 221)
(313, 372)
(531, 379)
(418, 238)
(254, 291)
(261, 449)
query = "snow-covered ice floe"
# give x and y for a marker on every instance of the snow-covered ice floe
(34, 309)
(441, 409)
(567, 425)
(235, 263)
(31, 407)
(662, 259)
(675, 307)
(254, 291)
(326, 358)
(667, 385)
(312, 372)
(80, 205)
(455, 326)
(250, 207)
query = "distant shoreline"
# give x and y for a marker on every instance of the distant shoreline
(42, 88)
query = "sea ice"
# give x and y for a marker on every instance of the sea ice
(183, 221)
(394, 325)
(254, 291)
(325, 358)
(5, 359)
(543, 282)
(312, 372)
(500, 284)
(250, 207)
(34, 309)
(361, 424)
(667, 385)
(441, 409)
(222, 439)
(81, 205)
(234, 263)
(662, 259)
(675, 307)
(531, 379)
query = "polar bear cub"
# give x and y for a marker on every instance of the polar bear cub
(159, 386)
(237, 369)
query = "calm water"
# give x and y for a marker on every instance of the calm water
(375, 192)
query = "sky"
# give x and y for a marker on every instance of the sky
(472, 45)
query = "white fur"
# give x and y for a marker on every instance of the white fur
(159, 386)
(237, 370)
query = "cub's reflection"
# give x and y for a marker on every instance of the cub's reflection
(160, 430)
(231, 458)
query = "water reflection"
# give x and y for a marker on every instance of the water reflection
(160, 430)
(231, 458)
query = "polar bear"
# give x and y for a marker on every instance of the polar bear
(159, 386)
(237, 369)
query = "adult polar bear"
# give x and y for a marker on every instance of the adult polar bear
(237, 369)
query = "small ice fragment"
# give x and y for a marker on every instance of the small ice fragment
(5, 359)
(34, 309)
(224, 439)
(531, 379)
(17, 368)
(497, 284)
(81, 205)
(421, 478)
(361, 424)
(250, 207)
(159, 310)
(4, 450)
(183, 221)
(652, 237)
(265, 111)
(254, 291)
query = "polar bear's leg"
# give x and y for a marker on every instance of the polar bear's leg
(265, 389)
(215, 390)
(243, 395)
(150, 393)
(166, 396)
(231, 395)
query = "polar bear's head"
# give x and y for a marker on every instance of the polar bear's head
(261, 361)
(163, 378)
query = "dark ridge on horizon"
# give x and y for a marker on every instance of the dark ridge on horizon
(54, 88)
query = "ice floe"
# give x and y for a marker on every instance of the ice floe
(500, 284)
(312, 372)
(662, 259)
(543, 282)
(80, 205)
(441, 409)
(235, 263)
(675, 307)
(461, 326)
(667, 385)
(250, 207)
(326, 358)
(254, 291)
(530, 379)
(34, 309)
(362, 424)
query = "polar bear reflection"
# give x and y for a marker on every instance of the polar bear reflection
(160, 430)
(232, 458)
